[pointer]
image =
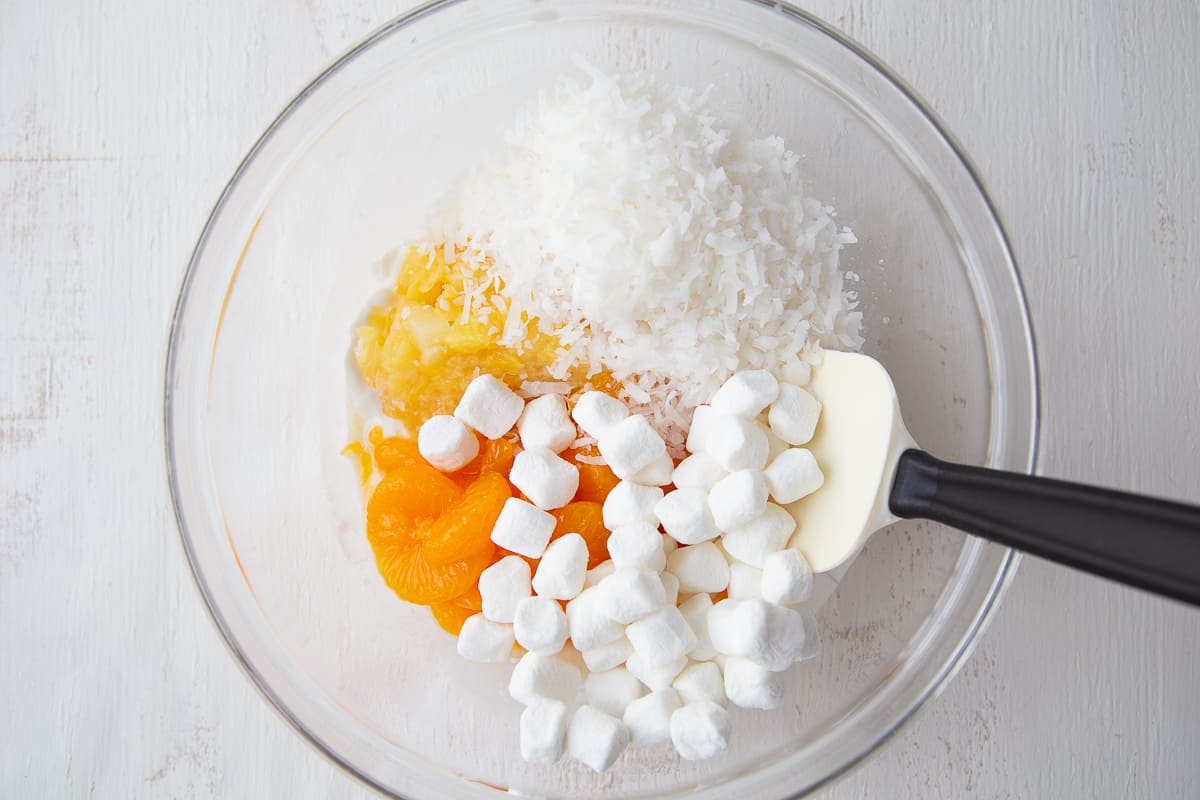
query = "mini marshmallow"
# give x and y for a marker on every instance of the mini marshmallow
(771, 636)
(596, 412)
(638, 546)
(745, 582)
(747, 685)
(656, 473)
(588, 623)
(649, 718)
(503, 586)
(736, 443)
(670, 582)
(793, 474)
(596, 739)
(794, 414)
(561, 572)
(738, 498)
(540, 677)
(685, 515)
(543, 731)
(483, 640)
(655, 678)
(599, 573)
(698, 470)
(540, 626)
(705, 421)
(775, 445)
(613, 690)
(701, 681)
(545, 424)
(629, 502)
(630, 445)
(787, 578)
(607, 656)
(753, 542)
(490, 407)
(547, 480)
(695, 610)
(446, 443)
(700, 730)
(699, 568)
(523, 529)
(746, 393)
(661, 637)
(630, 594)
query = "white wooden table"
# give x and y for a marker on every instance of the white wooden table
(120, 122)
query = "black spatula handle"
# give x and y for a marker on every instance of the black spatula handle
(1144, 542)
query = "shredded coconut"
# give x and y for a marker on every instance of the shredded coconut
(658, 239)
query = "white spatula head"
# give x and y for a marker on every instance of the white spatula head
(857, 443)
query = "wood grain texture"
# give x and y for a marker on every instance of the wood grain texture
(121, 123)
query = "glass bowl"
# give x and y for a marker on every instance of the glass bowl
(256, 398)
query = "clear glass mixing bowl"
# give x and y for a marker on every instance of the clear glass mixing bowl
(256, 403)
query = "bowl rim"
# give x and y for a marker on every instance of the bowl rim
(1009, 560)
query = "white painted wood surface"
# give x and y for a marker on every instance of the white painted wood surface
(122, 121)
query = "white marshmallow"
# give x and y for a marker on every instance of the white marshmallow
(503, 586)
(699, 568)
(596, 739)
(545, 424)
(649, 718)
(540, 625)
(522, 528)
(483, 640)
(540, 677)
(698, 470)
(700, 730)
(543, 731)
(628, 503)
(794, 414)
(630, 594)
(738, 498)
(705, 420)
(446, 443)
(490, 407)
(753, 542)
(695, 610)
(630, 445)
(588, 623)
(596, 412)
(793, 474)
(787, 578)
(685, 515)
(745, 582)
(670, 582)
(656, 473)
(771, 636)
(699, 682)
(746, 393)
(638, 546)
(655, 678)
(607, 656)
(561, 572)
(737, 443)
(547, 480)
(599, 573)
(747, 685)
(613, 690)
(661, 637)
(775, 445)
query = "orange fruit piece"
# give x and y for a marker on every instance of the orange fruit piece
(407, 494)
(394, 452)
(585, 518)
(413, 578)
(452, 614)
(464, 529)
(595, 482)
(495, 455)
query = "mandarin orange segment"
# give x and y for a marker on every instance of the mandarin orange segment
(413, 578)
(495, 455)
(451, 616)
(394, 452)
(586, 519)
(595, 482)
(408, 494)
(464, 529)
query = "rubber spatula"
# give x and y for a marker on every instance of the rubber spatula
(875, 475)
